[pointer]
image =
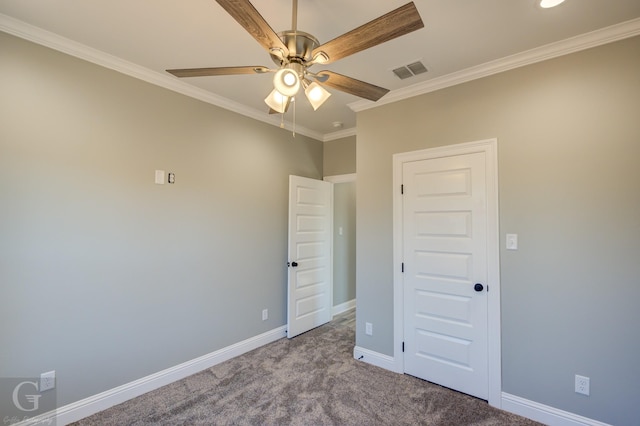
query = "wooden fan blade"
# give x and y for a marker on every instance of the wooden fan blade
(353, 86)
(251, 20)
(204, 72)
(396, 23)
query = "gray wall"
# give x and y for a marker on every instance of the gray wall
(105, 276)
(568, 134)
(340, 156)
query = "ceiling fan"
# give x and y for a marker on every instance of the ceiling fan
(295, 52)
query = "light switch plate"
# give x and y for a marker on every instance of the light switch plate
(512, 241)
(160, 177)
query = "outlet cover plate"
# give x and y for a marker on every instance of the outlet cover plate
(582, 385)
(47, 381)
(368, 329)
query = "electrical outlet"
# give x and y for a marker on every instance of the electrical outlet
(368, 329)
(265, 314)
(47, 381)
(582, 385)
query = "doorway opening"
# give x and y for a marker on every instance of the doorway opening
(344, 242)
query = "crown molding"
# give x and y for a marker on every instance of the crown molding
(339, 134)
(574, 44)
(48, 39)
(51, 40)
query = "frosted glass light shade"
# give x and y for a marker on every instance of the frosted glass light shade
(316, 95)
(287, 82)
(277, 101)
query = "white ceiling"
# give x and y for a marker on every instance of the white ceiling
(462, 39)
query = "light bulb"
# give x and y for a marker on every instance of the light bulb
(286, 82)
(289, 79)
(277, 101)
(316, 95)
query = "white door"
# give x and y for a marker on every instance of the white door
(445, 271)
(310, 275)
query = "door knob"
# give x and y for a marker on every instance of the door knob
(478, 287)
(294, 264)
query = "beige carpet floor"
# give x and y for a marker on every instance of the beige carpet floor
(309, 380)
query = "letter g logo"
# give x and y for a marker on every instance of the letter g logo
(33, 399)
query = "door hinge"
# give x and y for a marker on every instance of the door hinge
(487, 288)
(402, 267)
(402, 189)
(402, 346)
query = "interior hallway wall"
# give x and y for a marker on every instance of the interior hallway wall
(344, 242)
(340, 160)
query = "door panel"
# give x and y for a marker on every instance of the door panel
(310, 246)
(445, 234)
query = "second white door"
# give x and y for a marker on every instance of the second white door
(310, 277)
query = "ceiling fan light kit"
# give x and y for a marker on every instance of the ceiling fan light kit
(295, 51)
(316, 94)
(277, 101)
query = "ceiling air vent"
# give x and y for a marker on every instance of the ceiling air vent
(410, 70)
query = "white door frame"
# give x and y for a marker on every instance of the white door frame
(490, 148)
(350, 177)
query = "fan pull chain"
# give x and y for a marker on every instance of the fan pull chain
(294, 117)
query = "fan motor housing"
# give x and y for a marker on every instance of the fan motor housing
(300, 45)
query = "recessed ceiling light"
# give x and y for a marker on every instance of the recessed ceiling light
(550, 3)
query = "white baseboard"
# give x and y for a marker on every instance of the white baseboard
(94, 404)
(544, 413)
(374, 358)
(344, 307)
